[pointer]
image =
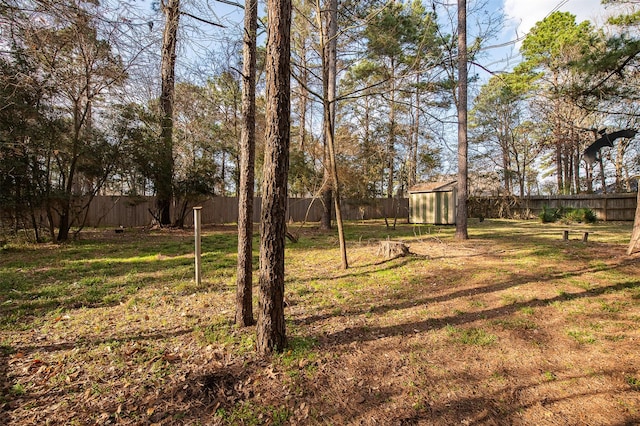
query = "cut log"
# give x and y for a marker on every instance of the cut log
(390, 249)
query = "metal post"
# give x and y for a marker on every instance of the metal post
(196, 226)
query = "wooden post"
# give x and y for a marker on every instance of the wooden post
(196, 226)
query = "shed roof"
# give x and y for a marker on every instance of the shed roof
(433, 186)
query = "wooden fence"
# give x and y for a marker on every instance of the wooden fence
(608, 207)
(137, 211)
(128, 211)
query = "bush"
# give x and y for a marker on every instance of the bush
(549, 214)
(590, 216)
(567, 215)
(582, 215)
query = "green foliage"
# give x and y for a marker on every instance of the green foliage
(626, 20)
(567, 215)
(554, 41)
(581, 215)
(18, 389)
(549, 214)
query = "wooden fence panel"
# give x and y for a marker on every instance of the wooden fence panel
(608, 207)
(136, 211)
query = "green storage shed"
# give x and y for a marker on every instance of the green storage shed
(433, 203)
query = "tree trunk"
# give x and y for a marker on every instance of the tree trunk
(461, 210)
(559, 166)
(326, 193)
(329, 45)
(603, 177)
(164, 178)
(576, 169)
(244, 280)
(304, 99)
(506, 167)
(391, 142)
(412, 173)
(65, 210)
(271, 326)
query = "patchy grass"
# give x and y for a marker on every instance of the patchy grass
(513, 326)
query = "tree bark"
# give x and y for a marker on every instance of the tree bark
(271, 334)
(327, 196)
(244, 280)
(391, 141)
(164, 178)
(461, 209)
(329, 45)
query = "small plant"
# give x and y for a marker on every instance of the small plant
(549, 376)
(590, 216)
(634, 382)
(18, 389)
(549, 214)
(280, 416)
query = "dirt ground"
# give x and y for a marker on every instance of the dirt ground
(503, 329)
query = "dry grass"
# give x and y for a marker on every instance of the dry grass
(513, 326)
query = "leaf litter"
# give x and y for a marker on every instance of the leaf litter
(397, 344)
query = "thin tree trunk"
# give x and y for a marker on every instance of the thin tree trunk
(506, 167)
(415, 138)
(164, 178)
(603, 177)
(329, 74)
(304, 98)
(391, 142)
(270, 331)
(559, 166)
(244, 280)
(461, 210)
(576, 169)
(326, 193)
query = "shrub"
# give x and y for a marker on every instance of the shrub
(549, 214)
(567, 215)
(582, 215)
(589, 216)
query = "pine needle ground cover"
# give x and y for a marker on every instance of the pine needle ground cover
(514, 326)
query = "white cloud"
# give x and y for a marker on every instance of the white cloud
(523, 14)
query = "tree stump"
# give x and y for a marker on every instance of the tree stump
(390, 249)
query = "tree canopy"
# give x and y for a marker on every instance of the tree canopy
(81, 97)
